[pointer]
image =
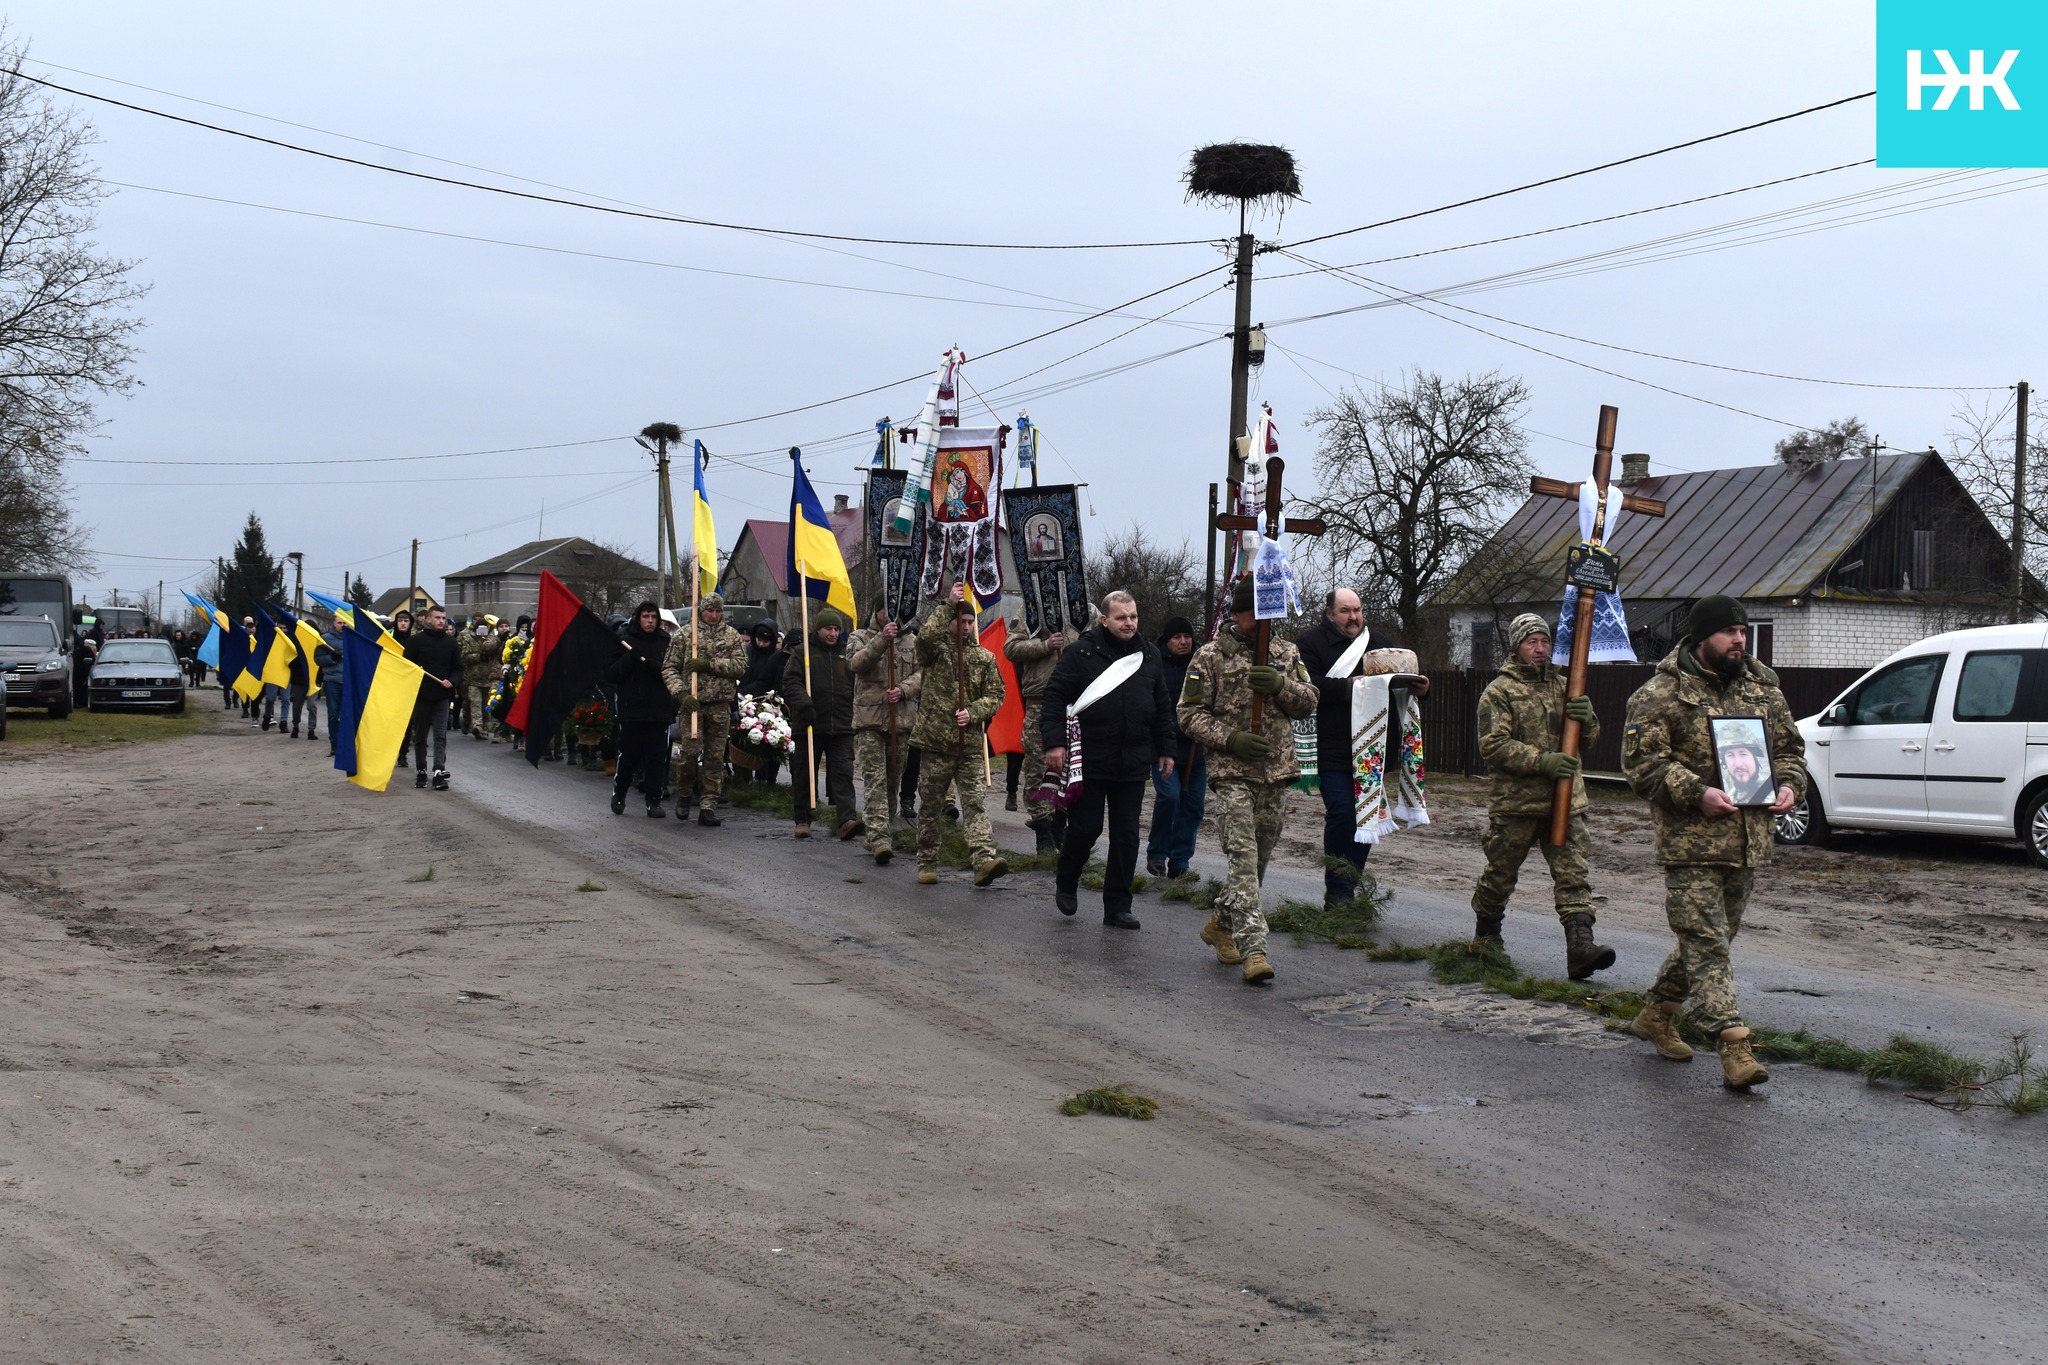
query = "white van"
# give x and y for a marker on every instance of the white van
(1948, 736)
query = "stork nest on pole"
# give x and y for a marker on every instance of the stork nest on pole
(662, 431)
(1249, 173)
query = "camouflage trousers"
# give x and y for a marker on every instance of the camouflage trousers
(1506, 844)
(1704, 905)
(701, 759)
(940, 769)
(1247, 816)
(1035, 812)
(479, 697)
(871, 770)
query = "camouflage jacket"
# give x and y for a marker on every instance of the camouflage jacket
(1668, 753)
(1521, 714)
(1216, 700)
(870, 659)
(1035, 659)
(479, 657)
(938, 666)
(727, 650)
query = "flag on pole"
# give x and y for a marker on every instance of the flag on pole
(304, 640)
(235, 644)
(378, 692)
(272, 654)
(1006, 726)
(814, 558)
(703, 535)
(570, 652)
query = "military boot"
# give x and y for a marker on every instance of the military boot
(1739, 1067)
(984, 873)
(1217, 935)
(1658, 1023)
(1582, 956)
(1486, 926)
(1256, 968)
(927, 876)
(883, 851)
(1046, 842)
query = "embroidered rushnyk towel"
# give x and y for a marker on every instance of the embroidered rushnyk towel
(1388, 772)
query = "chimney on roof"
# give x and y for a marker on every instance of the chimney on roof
(839, 502)
(1635, 466)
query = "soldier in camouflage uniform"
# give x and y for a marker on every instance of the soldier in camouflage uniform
(1521, 716)
(1710, 848)
(478, 646)
(1249, 772)
(951, 718)
(873, 700)
(1034, 659)
(719, 661)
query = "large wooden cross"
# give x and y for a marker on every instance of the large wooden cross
(1582, 619)
(1274, 525)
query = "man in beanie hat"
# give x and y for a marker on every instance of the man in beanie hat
(821, 713)
(1710, 847)
(1179, 797)
(1249, 770)
(718, 659)
(1521, 715)
(961, 689)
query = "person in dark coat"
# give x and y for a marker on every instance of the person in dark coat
(1321, 645)
(432, 646)
(1178, 797)
(1124, 737)
(645, 709)
(822, 708)
(765, 663)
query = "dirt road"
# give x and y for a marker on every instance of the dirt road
(291, 1072)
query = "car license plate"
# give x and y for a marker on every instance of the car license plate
(142, 693)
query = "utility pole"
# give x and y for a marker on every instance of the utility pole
(656, 438)
(412, 591)
(1240, 355)
(1209, 583)
(2019, 505)
(159, 603)
(298, 559)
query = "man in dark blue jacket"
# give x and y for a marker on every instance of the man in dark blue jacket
(645, 710)
(1124, 736)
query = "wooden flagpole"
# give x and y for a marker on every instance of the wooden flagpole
(803, 608)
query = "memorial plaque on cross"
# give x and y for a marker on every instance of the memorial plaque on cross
(1273, 525)
(1591, 567)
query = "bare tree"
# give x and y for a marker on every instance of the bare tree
(1413, 481)
(1165, 579)
(609, 580)
(1809, 449)
(65, 327)
(1980, 451)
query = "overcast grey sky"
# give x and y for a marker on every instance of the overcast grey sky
(275, 337)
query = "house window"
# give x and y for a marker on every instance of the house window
(1760, 633)
(1482, 644)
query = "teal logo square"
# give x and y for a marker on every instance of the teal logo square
(1962, 83)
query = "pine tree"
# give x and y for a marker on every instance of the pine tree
(252, 574)
(359, 593)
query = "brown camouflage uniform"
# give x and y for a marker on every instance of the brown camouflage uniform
(868, 653)
(1247, 797)
(1521, 718)
(1035, 659)
(701, 758)
(953, 756)
(1709, 862)
(478, 653)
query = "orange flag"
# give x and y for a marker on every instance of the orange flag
(1006, 728)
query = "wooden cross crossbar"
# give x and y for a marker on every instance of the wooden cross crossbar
(1582, 617)
(1273, 525)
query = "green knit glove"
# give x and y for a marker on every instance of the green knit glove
(1265, 679)
(1557, 767)
(1248, 746)
(689, 704)
(700, 663)
(1579, 709)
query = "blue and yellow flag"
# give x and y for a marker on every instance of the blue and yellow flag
(271, 656)
(304, 640)
(378, 691)
(208, 652)
(814, 558)
(235, 644)
(703, 535)
(350, 618)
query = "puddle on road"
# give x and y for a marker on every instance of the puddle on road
(1471, 1009)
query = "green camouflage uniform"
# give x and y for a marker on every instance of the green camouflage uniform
(1246, 796)
(701, 758)
(1521, 718)
(868, 653)
(1035, 659)
(1709, 862)
(953, 756)
(480, 669)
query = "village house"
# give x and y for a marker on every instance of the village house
(508, 585)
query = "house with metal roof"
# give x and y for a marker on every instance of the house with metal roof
(1839, 564)
(508, 585)
(416, 601)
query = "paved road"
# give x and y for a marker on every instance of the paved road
(1896, 1230)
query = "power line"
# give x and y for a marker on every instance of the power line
(367, 459)
(586, 205)
(1571, 175)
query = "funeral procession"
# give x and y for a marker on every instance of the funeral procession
(1343, 683)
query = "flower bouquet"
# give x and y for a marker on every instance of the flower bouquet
(588, 725)
(760, 730)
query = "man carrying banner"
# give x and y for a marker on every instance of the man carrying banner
(1250, 767)
(884, 714)
(718, 662)
(962, 689)
(1034, 659)
(646, 710)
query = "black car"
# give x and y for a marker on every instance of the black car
(139, 673)
(37, 668)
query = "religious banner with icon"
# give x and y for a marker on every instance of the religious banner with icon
(962, 501)
(896, 555)
(1045, 536)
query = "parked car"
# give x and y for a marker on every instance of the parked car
(39, 669)
(137, 673)
(1948, 736)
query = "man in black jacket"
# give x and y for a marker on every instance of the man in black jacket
(1321, 645)
(822, 708)
(432, 646)
(645, 709)
(1124, 735)
(765, 663)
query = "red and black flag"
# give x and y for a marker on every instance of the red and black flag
(571, 649)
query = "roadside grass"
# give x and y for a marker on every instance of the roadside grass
(33, 732)
(1196, 892)
(426, 876)
(588, 886)
(1118, 1101)
(772, 797)
(1348, 924)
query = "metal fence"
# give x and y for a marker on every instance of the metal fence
(1450, 715)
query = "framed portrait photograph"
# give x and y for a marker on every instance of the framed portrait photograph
(1743, 754)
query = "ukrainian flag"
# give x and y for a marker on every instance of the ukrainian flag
(378, 690)
(346, 614)
(703, 535)
(814, 556)
(273, 652)
(208, 652)
(305, 640)
(235, 645)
